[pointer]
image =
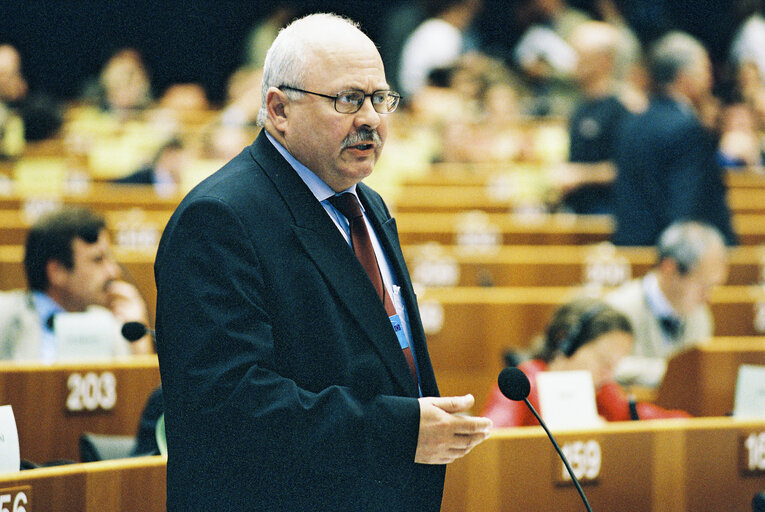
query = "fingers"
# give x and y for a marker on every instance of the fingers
(445, 432)
(453, 404)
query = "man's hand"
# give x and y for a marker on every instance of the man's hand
(446, 435)
(127, 305)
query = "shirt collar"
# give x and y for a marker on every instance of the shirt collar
(45, 307)
(656, 299)
(318, 187)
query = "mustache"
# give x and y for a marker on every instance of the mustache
(361, 136)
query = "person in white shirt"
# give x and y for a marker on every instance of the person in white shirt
(438, 42)
(70, 268)
(668, 307)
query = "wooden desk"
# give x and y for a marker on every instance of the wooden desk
(499, 198)
(134, 228)
(54, 404)
(136, 484)
(469, 329)
(555, 265)
(644, 466)
(484, 230)
(101, 197)
(702, 381)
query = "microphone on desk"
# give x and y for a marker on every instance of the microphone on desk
(133, 331)
(514, 384)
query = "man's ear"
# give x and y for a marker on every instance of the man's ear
(668, 267)
(57, 273)
(277, 106)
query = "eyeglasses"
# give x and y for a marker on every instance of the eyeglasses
(350, 102)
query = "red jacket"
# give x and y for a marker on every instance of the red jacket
(612, 402)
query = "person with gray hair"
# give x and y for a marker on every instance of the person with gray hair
(295, 370)
(666, 157)
(668, 307)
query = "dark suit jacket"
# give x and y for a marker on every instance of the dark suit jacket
(666, 171)
(285, 387)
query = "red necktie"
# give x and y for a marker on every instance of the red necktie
(348, 205)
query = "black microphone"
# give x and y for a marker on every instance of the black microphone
(634, 416)
(514, 384)
(133, 331)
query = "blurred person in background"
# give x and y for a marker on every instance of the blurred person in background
(583, 334)
(438, 42)
(165, 171)
(669, 306)
(545, 56)
(24, 115)
(123, 87)
(70, 268)
(666, 157)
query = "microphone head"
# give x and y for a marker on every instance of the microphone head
(514, 384)
(133, 331)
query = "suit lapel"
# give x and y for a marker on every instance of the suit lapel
(334, 258)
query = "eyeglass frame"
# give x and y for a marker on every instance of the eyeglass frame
(336, 96)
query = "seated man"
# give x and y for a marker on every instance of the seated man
(69, 268)
(668, 306)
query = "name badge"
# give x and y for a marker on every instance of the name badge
(395, 321)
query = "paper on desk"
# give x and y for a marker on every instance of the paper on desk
(10, 460)
(567, 399)
(749, 401)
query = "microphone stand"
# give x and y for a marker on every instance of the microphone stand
(560, 452)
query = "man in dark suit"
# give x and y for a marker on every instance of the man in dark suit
(284, 372)
(665, 158)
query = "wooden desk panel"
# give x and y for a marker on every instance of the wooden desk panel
(101, 197)
(502, 229)
(662, 465)
(136, 484)
(456, 198)
(469, 329)
(554, 265)
(54, 404)
(702, 380)
(134, 228)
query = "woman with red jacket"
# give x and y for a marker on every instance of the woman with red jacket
(583, 335)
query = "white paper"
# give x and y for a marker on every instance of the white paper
(86, 335)
(567, 400)
(750, 392)
(10, 459)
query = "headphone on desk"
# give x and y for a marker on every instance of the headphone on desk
(574, 338)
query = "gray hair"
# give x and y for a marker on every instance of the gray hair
(687, 242)
(287, 59)
(673, 53)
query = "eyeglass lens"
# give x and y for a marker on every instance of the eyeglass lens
(383, 102)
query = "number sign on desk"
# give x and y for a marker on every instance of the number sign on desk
(585, 458)
(752, 454)
(91, 391)
(16, 499)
